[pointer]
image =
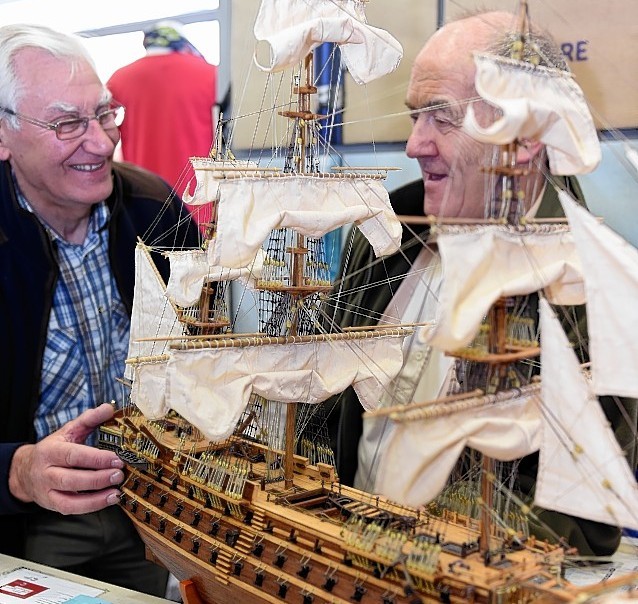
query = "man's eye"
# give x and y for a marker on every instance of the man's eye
(66, 118)
(70, 122)
(445, 123)
(67, 126)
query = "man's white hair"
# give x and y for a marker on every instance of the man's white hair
(20, 36)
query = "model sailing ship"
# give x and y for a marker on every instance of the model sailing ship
(225, 486)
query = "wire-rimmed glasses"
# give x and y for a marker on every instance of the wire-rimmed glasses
(69, 128)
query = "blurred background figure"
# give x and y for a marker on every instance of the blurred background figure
(170, 97)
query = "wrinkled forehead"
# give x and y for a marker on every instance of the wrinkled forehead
(41, 75)
(442, 71)
(31, 63)
(447, 59)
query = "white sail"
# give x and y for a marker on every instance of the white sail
(208, 174)
(611, 285)
(190, 270)
(537, 103)
(426, 449)
(152, 315)
(249, 208)
(582, 470)
(293, 28)
(148, 390)
(211, 387)
(502, 262)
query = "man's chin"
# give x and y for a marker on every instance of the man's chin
(433, 207)
(95, 194)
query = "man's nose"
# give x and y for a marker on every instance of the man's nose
(421, 141)
(98, 140)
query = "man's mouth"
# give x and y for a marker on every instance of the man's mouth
(88, 167)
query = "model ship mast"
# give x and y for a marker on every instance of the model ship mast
(302, 144)
(510, 207)
(302, 160)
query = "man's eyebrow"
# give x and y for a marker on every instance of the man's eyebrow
(431, 105)
(62, 106)
(105, 99)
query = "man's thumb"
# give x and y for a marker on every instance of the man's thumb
(78, 429)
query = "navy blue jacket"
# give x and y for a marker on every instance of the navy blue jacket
(28, 277)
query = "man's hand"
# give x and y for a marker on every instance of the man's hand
(61, 473)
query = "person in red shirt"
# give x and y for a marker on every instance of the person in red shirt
(170, 97)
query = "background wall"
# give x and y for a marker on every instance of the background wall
(599, 40)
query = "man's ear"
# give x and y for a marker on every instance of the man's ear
(4, 150)
(527, 151)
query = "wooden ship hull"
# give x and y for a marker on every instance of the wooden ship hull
(240, 539)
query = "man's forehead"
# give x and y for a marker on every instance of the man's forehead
(460, 39)
(435, 83)
(52, 79)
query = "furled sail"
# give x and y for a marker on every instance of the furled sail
(208, 174)
(212, 386)
(425, 443)
(537, 103)
(294, 28)
(503, 262)
(611, 286)
(190, 270)
(148, 391)
(249, 208)
(582, 470)
(152, 315)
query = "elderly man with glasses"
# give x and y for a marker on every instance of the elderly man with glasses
(69, 221)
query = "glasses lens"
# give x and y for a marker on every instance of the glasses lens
(119, 115)
(76, 127)
(71, 128)
(111, 118)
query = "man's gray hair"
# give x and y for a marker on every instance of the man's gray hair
(17, 37)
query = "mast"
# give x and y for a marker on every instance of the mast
(302, 161)
(510, 206)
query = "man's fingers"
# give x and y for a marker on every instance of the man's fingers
(72, 455)
(82, 503)
(82, 456)
(61, 473)
(74, 480)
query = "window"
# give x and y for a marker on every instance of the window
(114, 42)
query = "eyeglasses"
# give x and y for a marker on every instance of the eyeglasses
(67, 129)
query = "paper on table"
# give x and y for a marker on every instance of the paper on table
(34, 587)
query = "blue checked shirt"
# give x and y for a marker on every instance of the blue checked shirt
(87, 339)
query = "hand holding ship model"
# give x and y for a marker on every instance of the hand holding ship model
(61, 473)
